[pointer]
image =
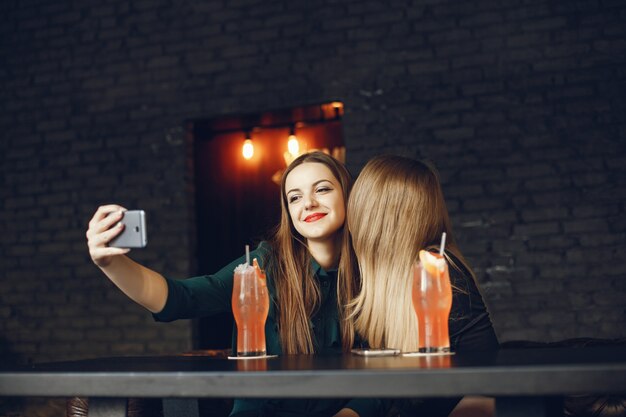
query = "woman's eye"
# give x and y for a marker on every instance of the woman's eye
(323, 189)
(293, 198)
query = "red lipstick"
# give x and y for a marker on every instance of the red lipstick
(314, 217)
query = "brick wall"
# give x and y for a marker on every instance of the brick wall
(520, 104)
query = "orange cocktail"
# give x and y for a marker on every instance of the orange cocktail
(432, 301)
(250, 303)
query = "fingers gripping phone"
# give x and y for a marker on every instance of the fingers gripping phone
(134, 234)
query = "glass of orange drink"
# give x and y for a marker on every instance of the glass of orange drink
(432, 301)
(250, 304)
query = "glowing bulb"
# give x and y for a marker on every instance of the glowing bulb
(293, 145)
(338, 106)
(248, 149)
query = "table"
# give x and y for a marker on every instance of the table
(520, 379)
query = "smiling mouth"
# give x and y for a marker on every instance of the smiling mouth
(314, 217)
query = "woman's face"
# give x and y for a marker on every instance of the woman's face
(315, 200)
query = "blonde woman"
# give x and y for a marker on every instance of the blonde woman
(301, 259)
(395, 209)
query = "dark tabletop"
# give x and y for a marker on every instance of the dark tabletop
(544, 371)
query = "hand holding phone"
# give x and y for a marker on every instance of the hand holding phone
(134, 234)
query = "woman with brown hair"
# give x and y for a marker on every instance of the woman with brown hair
(396, 208)
(302, 260)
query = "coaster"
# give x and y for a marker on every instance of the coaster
(238, 358)
(417, 354)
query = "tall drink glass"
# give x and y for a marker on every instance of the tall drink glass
(250, 303)
(432, 301)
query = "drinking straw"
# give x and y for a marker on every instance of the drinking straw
(443, 243)
(247, 254)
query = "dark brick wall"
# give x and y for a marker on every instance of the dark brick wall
(520, 104)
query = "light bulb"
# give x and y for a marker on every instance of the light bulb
(248, 149)
(293, 145)
(338, 106)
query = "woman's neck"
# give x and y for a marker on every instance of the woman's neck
(325, 252)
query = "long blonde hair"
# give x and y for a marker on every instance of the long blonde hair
(297, 291)
(395, 209)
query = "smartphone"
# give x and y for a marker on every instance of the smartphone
(376, 352)
(134, 234)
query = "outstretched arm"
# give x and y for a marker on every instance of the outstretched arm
(146, 287)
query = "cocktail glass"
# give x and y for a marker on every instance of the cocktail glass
(250, 304)
(432, 301)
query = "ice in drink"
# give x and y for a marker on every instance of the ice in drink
(250, 303)
(432, 301)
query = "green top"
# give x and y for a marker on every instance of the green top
(210, 294)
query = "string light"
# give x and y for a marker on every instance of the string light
(248, 148)
(293, 146)
(327, 112)
(338, 107)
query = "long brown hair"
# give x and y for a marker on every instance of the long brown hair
(298, 294)
(395, 209)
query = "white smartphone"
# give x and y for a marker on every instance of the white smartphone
(134, 234)
(376, 352)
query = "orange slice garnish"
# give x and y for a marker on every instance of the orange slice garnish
(433, 263)
(259, 272)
